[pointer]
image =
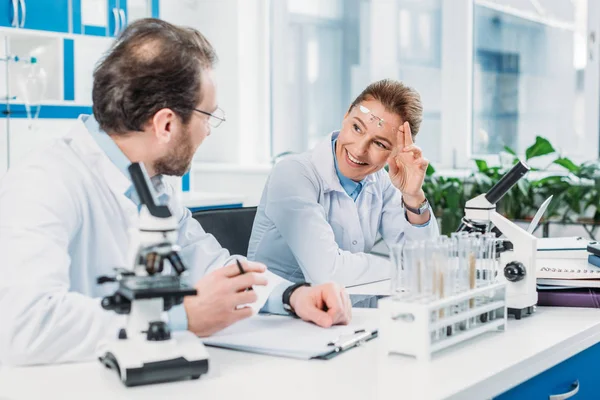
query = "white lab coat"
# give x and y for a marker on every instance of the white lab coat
(64, 220)
(308, 228)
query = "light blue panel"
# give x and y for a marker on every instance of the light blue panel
(46, 15)
(581, 367)
(47, 111)
(235, 205)
(185, 182)
(69, 69)
(76, 5)
(155, 10)
(94, 30)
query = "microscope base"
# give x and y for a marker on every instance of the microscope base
(520, 312)
(138, 361)
(156, 372)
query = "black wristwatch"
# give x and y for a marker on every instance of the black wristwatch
(287, 295)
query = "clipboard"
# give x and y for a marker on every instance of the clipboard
(359, 337)
(285, 336)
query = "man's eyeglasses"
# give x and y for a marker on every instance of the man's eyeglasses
(214, 119)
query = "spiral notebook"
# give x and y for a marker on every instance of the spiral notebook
(566, 269)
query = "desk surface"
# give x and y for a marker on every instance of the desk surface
(482, 368)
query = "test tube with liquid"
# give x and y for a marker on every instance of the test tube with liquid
(443, 279)
(463, 265)
(474, 270)
(455, 268)
(428, 279)
(492, 265)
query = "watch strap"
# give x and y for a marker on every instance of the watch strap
(423, 207)
(287, 295)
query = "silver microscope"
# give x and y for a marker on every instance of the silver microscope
(146, 351)
(518, 250)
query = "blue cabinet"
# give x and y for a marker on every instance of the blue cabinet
(36, 14)
(9, 13)
(578, 371)
(44, 15)
(109, 17)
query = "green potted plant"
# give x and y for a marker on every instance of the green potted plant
(576, 188)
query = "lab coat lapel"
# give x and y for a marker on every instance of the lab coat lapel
(108, 173)
(322, 158)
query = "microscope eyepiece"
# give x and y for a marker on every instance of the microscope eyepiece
(506, 182)
(141, 183)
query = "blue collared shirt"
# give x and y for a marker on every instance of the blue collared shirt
(351, 187)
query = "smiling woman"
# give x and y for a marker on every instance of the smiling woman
(322, 210)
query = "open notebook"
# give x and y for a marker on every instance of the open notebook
(290, 337)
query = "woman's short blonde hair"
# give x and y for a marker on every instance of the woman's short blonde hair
(397, 98)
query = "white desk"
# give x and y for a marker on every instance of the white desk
(482, 368)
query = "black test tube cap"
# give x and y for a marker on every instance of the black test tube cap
(506, 182)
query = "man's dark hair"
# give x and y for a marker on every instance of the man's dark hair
(152, 65)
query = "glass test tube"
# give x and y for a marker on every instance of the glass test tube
(412, 262)
(442, 278)
(398, 281)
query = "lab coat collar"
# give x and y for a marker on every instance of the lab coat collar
(107, 144)
(113, 164)
(322, 158)
(93, 155)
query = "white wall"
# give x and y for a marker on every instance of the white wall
(238, 31)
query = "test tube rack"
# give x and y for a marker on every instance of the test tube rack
(419, 329)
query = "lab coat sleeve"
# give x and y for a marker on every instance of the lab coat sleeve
(42, 321)
(394, 226)
(292, 205)
(202, 254)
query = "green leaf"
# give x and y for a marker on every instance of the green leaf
(523, 187)
(452, 199)
(509, 150)
(481, 165)
(567, 164)
(541, 147)
(430, 170)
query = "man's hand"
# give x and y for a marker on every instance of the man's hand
(219, 294)
(325, 305)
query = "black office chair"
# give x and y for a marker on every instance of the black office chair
(230, 226)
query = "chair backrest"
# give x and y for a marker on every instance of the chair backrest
(230, 226)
